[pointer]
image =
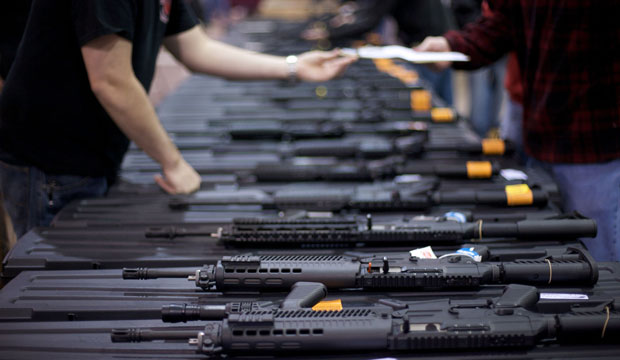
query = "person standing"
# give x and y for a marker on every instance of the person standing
(570, 74)
(77, 94)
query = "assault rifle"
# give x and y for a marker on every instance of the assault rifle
(356, 147)
(279, 232)
(366, 198)
(338, 232)
(392, 271)
(372, 170)
(520, 318)
(277, 130)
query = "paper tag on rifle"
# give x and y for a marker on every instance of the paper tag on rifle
(328, 305)
(513, 174)
(471, 253)
(561, 296)
(455, 216)
(423, 253)
(441, 115)
(520, 194)
(420, 100)
(407, 178)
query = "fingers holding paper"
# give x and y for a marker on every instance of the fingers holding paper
(322, 66)
(435, 44)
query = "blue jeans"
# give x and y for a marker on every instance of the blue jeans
(486, 87)
(594, 191)
(511, 127)
(32, 198)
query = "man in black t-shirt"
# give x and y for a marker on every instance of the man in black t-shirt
(77, 94)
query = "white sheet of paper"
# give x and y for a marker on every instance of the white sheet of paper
(407, 54)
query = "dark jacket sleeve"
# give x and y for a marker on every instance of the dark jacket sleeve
(466, 11)
(487, 39)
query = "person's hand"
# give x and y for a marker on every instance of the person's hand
(180, 178)
(435, 44)
(322, 65)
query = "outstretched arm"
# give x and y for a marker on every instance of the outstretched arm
(112, 80)
(204, 55)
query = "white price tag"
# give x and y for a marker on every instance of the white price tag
(423, 253)
(562, 296)
(512, 174)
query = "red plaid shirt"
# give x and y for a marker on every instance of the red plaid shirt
(569, 56)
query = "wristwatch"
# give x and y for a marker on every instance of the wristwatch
(291, 61)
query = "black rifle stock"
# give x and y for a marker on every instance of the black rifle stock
(394, 272)
(514, 320)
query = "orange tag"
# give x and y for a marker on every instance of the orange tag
(479, 169)
(330, 305)
(420, 100)
(493, 146)
(520, 194)
(442, 115)
(383, 64)
(404, 75)
(409, 78)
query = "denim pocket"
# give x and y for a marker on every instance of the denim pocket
(60, 190)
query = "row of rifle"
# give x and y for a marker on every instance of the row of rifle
(428, 239)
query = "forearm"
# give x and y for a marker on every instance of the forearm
(216, 58)
(127, 103)
(108, 63)
(204, 55)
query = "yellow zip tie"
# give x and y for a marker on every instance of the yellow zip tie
(329, 305)
(442, 115)
(520, 194)
(493, 146)
(480, 229)
(420, 100)
(550, 271)
(479, 169)
(606, 322)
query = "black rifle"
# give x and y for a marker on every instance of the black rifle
(388, 168)
(520, 318)
(363, 198)
(280, 232)
(255, 164)
(393, 271)
(358, 147)
(368, 147)
(277, 130)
